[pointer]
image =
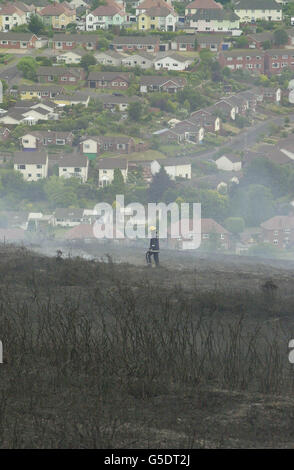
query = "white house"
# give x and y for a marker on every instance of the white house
(109, 58)
(68, 217)
(106, 168)
(253, 10)
(32, 165)
(172, 61)
(232, 163)
(73, 166)
(175, 167)
(70, 57)
(141, 59)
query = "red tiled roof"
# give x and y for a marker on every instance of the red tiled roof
(12, 234)
(279, 222)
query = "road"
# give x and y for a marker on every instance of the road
(10, 74)
(247, 138)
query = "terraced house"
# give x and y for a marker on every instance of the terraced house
(105, 17)
(67, 42)
(12, 15)
(252, 60)
(276, 60)
(159, 17)
(196, 5)
(214, 20)
(114, 80)
(57, 15)
(252, 10)
(20, 41)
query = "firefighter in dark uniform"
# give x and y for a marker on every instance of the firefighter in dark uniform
(153, 248)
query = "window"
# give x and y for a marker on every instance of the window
(276, 241)
(60, 141)
(276, 232)
(21, 167)
(39, 166)
(39, 175)
(78, 170)
(205, 235)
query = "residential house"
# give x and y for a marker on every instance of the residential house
(160, 18)
(110, 57)
(67, 42)
(223, 109)
(72, 100)
(240, 102)
(172, 61)
(213, 231)
(229, 163)
(208, 120)
(61, 75)
(251, 60)
(93, 146)
(14, 219)
(177, 167)
(57, 15)
(273, 94)
(32, 165)
(64, 217)
(81, 233)
(278, 231)
(11, 16)
(106, 168)
(106, 17)
(150, 83)
(28, 92)
(114, 102)
(71, 57)
(249, 11)
(73, 166)
(143, 60)
(193, 131)
(133, 43)
(277, 60)
(145, 5)
(183, 43)
(13, 40)
(213, 42)
(114, 80)
(196, 5)
(37, 139)
(256, 40)
(214, 20)
(4, 134)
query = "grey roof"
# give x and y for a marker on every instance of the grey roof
(159, 80)
(210, 38)
(73, 160)
(63, 213)
(80, 38)
(30, 158)
(261, 37)
(174, 161)
(108, 76)
(217, 14)
(16, 36)
(243, 53)
(280, 52)
(257, 5)
(36, 87)
(58, 71)
(112, 163)
(113, 99)
(135, 40)
(185, 39)
(174, 55)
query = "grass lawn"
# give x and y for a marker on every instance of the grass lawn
(146, 155)
(230, 128)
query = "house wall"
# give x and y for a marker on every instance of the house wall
(29, 142)
(169, 63)
(70, 171)
(183, 171)
(249, 15)
(106, 177)
(31, 172)
(214, 25)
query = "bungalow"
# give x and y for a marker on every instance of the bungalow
(172, 61)
(184, 43)
(106, 168)
(231, 163)
(134, 43)
(249, 11)
(177, 168)
(213, 42)
(223, 109)
(256, 40)
(38, 139)
(32, 165)
(106, 17)
(151, 83)
(214, 20)
(278, 231)
(64, 217)
(67, 42)
(71, 57)
(28, 92)
(113, 102)
(73, 166)
(114, 80)
(110, 57)
(143, 60)
(93, 146)
(273, 94)
(72, 100)
(59, 74)
(196, 5)
(192, 131)
(20, 41)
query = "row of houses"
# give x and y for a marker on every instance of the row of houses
(271, 62)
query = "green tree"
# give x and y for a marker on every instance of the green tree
(161, 182)
(35, 24)
(235, 224)
(280, 37)
(28, 66)
(87, 61)
(135, 111)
